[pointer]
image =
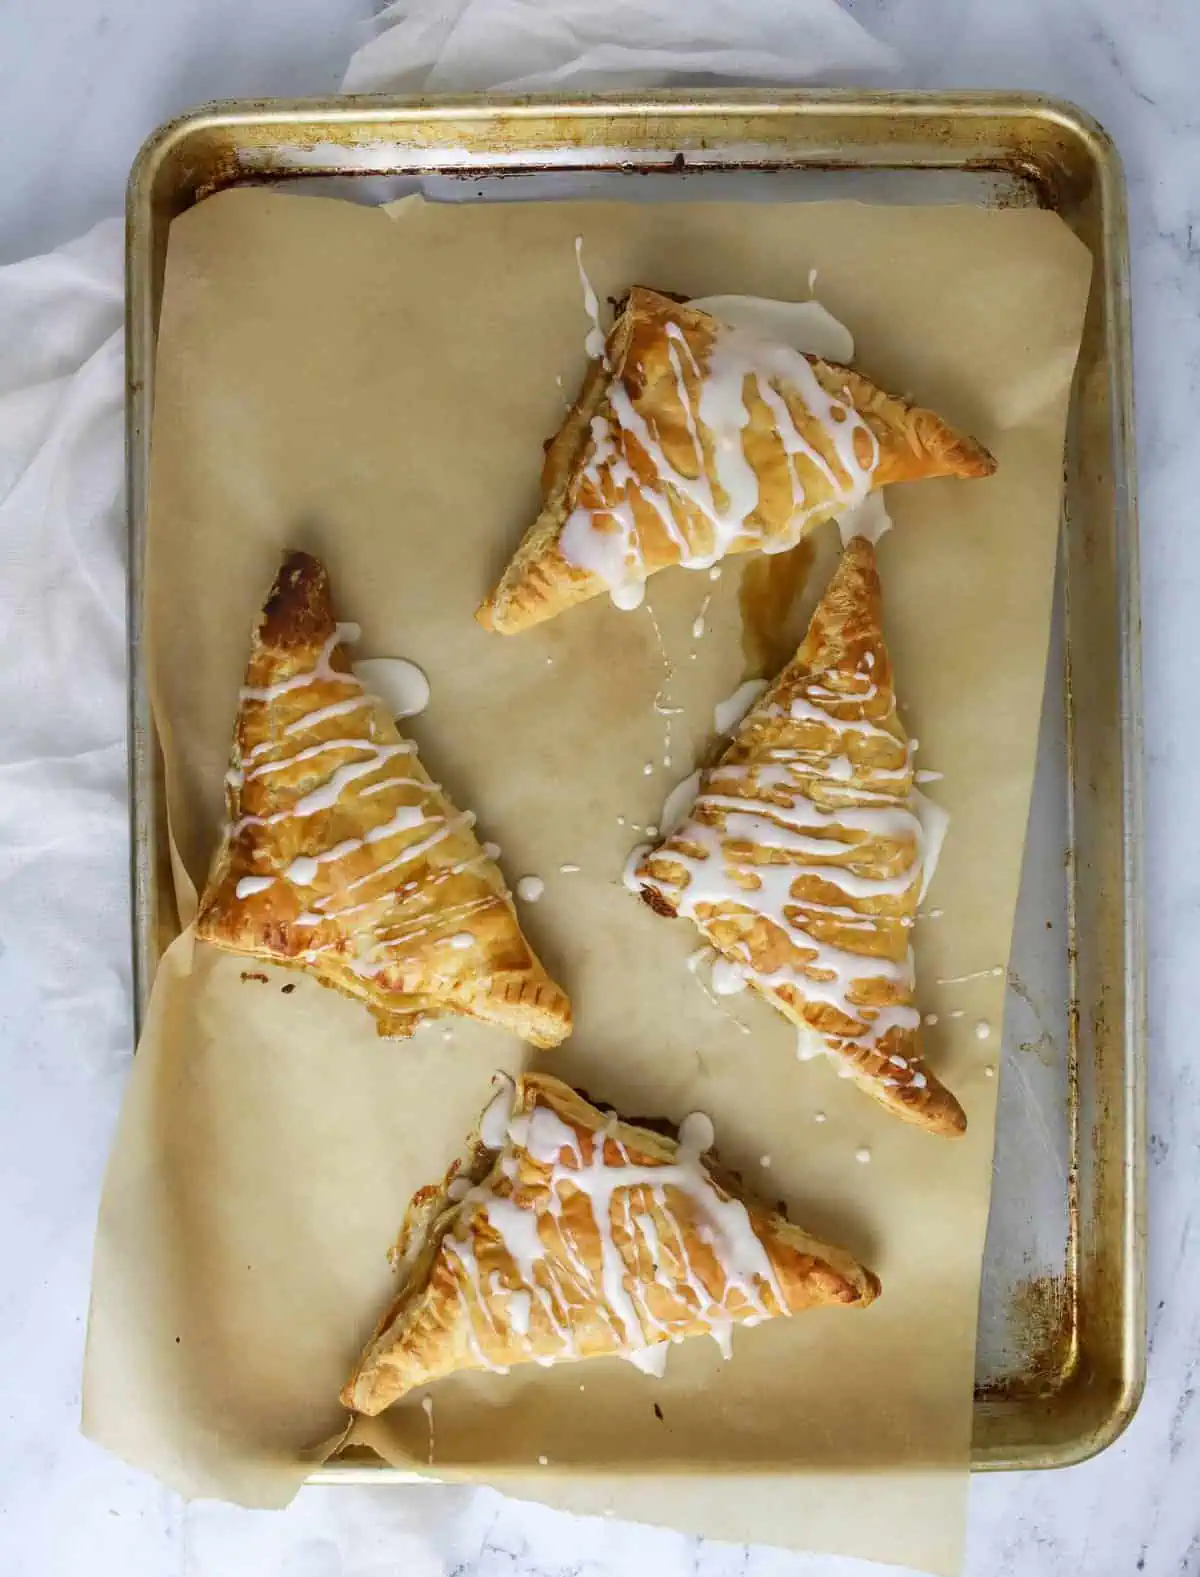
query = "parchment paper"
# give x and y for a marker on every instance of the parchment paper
(375, 387)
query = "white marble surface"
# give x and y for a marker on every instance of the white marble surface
(80, 84)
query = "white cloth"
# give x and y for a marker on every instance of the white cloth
(576, 46)
(65, 1020)
(65, 1017)
(63, 860)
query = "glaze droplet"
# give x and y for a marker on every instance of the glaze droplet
(696, 1133)
(399, 684)
(250, 885)
(530, 888)
(628, 595)
(727, 714)
(728, 978)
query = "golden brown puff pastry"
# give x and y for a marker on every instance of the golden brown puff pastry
(691, 440)
(802, 859)
(585, 1237)
(342, 856)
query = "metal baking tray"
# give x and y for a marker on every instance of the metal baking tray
(1061, 1346)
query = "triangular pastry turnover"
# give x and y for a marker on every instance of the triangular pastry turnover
(802, 860)
(691, 440)
(342, 856)
(576, 1235)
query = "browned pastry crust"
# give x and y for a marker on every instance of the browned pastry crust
(568, 1247)
(343, 858)
(657, 345)
(825, 740)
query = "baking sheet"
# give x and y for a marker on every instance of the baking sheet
(310, 354)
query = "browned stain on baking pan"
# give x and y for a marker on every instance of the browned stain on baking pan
(1042, 1316)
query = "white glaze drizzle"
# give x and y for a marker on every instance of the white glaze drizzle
(662, 704)
(264, 761)
(629, 877)
(678, 803)
(594, 343)
(728, 977)
(326, 795)
(976, 974)
(605, 541)
(868, 519)
(721, 866)
(322, 715)
(249, 885)
(727, 714)
(804, 325)
(493, 1125)
(398, 683)
(696, 1134)
(321, 670)
(546, 1285)
(696, 962)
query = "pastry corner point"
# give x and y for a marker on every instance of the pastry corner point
(953, 1123)
(298, 610)
(872, 1288)
(976, 460)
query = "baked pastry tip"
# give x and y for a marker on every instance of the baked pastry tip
(343, 858)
